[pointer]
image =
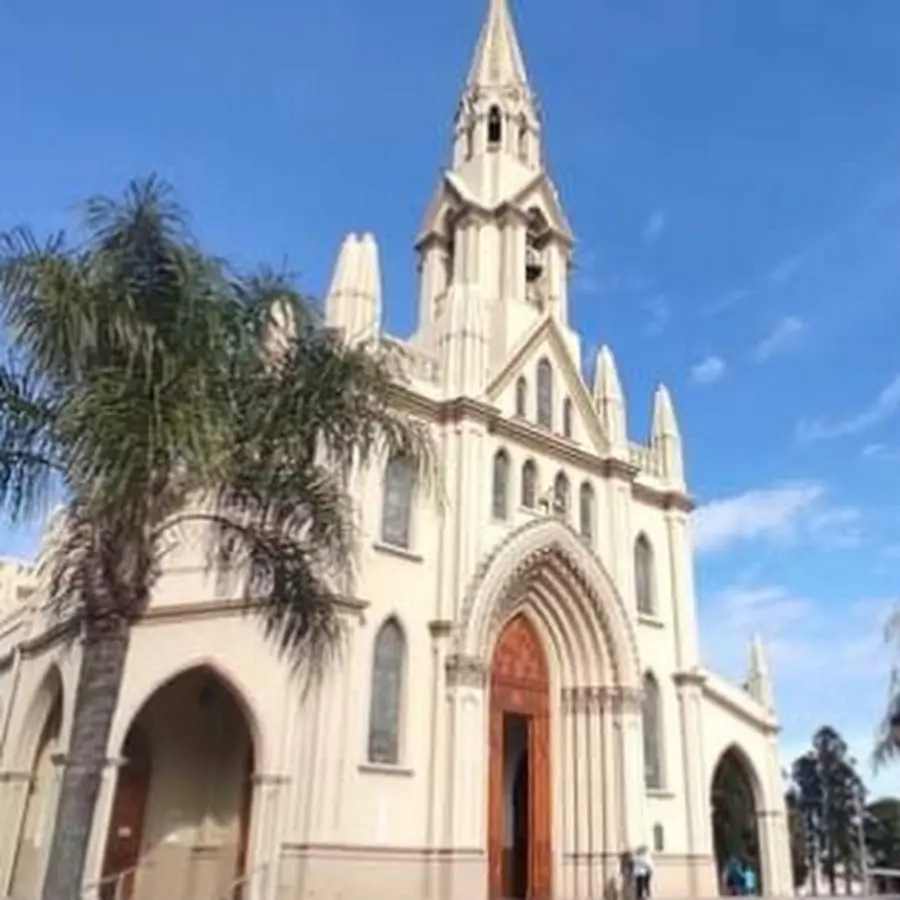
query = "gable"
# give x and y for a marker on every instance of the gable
(449, 195)
(546, 341)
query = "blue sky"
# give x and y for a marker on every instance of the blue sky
(732, 172)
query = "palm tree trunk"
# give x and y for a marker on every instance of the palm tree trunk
(99, 680)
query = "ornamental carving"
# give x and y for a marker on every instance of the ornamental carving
(605, 698)
(465, 671)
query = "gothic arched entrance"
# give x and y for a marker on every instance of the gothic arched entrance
(519, 820)
(180, 814)
(734, 816)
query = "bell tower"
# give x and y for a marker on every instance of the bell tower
(495, 227)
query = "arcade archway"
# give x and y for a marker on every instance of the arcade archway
(735, 817)
(180, 818)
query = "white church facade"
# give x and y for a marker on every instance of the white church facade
(521, 696)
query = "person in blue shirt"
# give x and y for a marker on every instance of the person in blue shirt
(749, 879)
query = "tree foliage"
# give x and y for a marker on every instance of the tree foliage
(150, 389)
(797, 832)
(828, 796)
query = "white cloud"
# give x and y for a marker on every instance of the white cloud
(883, 407)
(709, 371)
(769, 512)
(660, 312)
(783, 337)
(654, 226)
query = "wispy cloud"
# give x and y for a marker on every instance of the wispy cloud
(883, 407)
(880, 451)
(654, 226)
(793, 511)
(782, 272)
(725, 302)
(659, 313)
(759, 513)
(783, 337)
(709, 371)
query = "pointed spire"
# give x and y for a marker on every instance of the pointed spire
(353, 303)
(665, 438)
(498, 58)
(609, 399)
(759, 679)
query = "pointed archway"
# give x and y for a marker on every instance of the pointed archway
(735, 819)
(519, 820)
(181, 810)
(38, 747)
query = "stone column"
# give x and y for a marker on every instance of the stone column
(93, 870)
(632, 774)
(597, 789)
(689, 686)
(269, 791)
(580, 713)
(14, 788)
(466, 777)
(566, 846)
(613, 832)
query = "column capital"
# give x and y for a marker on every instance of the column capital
(465, 671)
(14, 777)
(262, 779)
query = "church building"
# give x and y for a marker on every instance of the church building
(521, 699)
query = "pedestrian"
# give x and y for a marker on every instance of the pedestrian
(749, 877)
(643, 873)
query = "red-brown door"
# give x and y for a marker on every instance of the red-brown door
(126, 825)
(520, 685)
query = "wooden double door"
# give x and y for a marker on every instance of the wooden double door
(519, 811)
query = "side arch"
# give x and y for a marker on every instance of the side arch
(49, 692)
(229, 679)
(546, 566)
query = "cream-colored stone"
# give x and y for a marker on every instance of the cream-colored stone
(210, 695)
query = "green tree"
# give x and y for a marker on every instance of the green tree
(797, 832)
(882, 831)
(151, 389)
(829, 793)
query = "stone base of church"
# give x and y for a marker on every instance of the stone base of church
(375, 873)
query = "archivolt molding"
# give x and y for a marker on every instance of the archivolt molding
(498, 586)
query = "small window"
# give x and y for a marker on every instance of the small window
(499, 504)
(522, 397)
(529, 484)
(586, 512)
(387, 688)
(545, 394)
(644, 586)
(396, 512)
(659, 838)
(652, 727)
(495, 127)
(567, 417)
(561, 495)
(523, 141)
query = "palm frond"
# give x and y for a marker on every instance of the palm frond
(886, 749)
(29, 460)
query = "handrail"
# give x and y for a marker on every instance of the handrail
(235, 891)
(117, 879)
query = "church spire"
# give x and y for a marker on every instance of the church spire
(498, 59)
(498, 115)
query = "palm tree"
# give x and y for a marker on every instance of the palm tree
(887, 742)
(149, 388)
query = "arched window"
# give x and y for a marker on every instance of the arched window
(495, 127)
(470, 141)
(651, 720)
(586, 512)
(387, 687)
(500, 493)
(659, 838)
(644, 586)
(522, 397)
(396, 512)
(523, 141)
(567, 418)
(529, 484)
(561, 494)
(545, 394)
